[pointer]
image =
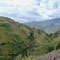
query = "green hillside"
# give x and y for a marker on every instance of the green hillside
(20, 42)
(15, 38)
(53, 48)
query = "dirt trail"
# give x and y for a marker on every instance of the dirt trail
(55, 56)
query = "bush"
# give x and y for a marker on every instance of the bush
(58, 46)
(49, 48)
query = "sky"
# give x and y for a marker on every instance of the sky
(30, 10)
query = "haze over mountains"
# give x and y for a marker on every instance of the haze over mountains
(49, 26)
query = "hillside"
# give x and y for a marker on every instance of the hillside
(15, 39)
(53, 48)
(19, 41)
(49, 26)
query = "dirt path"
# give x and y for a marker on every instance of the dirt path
(55, 56)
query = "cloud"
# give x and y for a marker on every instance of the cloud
(49, 7)
(30, 10)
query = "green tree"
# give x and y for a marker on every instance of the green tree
(31, 42)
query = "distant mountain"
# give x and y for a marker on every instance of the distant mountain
(49, 26)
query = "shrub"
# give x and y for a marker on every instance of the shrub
(49, 48)
(58, 46)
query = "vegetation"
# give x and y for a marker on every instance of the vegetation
(19, 41)
(49, 26)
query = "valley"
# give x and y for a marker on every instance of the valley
(49, 26)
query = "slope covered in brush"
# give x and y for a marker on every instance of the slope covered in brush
(19, 39)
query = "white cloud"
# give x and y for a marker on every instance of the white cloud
(28, 10)
(18, 2)
(49, 7)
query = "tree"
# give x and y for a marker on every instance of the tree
(31, 42)
(38, 31)
(31, 37)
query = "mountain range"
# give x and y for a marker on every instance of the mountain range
(49, 26)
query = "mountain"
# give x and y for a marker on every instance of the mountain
(19, 39)
(24, 42)
(49, 26)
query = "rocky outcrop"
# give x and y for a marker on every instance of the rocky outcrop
(55, 56)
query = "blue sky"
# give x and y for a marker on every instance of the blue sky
(30, 10)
